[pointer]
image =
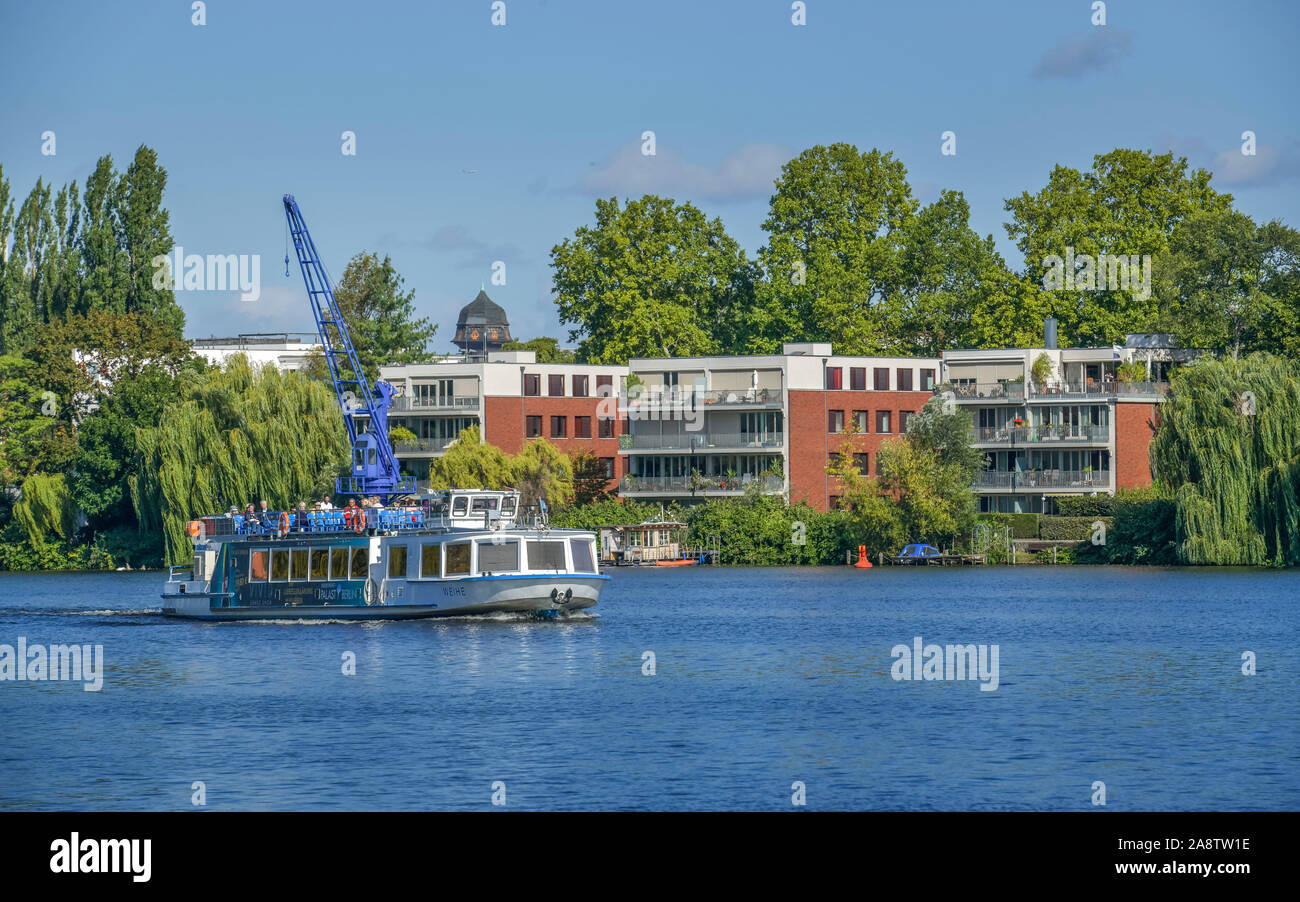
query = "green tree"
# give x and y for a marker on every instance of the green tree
(1230, 285)
(145, 235)
(32, 437)
(380, 315)
(946, 430)
(548, 350)
(835, 231)
(542, 471)
(590, 484)
(1229, 450)
(1130, 202)
(471, 463)
(648, 279)
(233, 436)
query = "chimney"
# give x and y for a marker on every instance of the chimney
(1049, 333)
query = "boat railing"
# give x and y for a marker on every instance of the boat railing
(292, 523)
(180, 573)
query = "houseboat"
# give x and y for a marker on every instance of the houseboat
(651, 542)
(452, 553)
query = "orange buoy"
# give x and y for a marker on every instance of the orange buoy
(195, 528)
(862, 563)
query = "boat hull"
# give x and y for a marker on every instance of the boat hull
(411, 600)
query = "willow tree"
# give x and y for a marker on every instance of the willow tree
(1229, 447)
(237, 435)
(471, 463)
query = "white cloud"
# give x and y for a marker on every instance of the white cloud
(747, 173)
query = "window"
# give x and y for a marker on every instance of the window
(609, 467)
(927, 380)
(459, 506)
(457, 559)
(863, 463)
(882, 378)
(858, 378)
(834, 502)
(299, 568)
(834, 420)
(320, 563)
(546, 555)
(559, 427)
(834, 377)
(580, 386)
(532, 385)
(280, 565)
(339, 563)
(904, 380)
(360, 563)
(397, 562)
(882, 421)
(555, 386)
(903, 416)
(604, 386)
(533, 427)
(860, 421)
(583, 558)
(429, 555)
(582, 427)
(606, 427)
(503, 558)
(257, 562)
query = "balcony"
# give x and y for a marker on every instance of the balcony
(990, 391)
(1084, 480)
(697, 485)
(408, 404)
(423, 446)
(701, 441)
(690, 399)
(1023, 435)
(1100, 390)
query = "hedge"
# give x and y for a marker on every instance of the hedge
(1064, 529)
(1023, 526)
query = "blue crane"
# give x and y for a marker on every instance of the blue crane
(375, 470)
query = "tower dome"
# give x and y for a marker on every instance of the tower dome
(482, 326)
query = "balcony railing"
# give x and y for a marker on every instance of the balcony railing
(422, 444)
(1043, 479)
(990, 391)
(690, 399)
(697, 485)
(1099, 389)
(1022, 435)
(703, 441)
(407, 403)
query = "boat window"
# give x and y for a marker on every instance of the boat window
(503, 558)
(320, 563)
(583, 556)
(546, 555)
(279, 564)
(257, 564)
(359, 563)
(339, 563)
(457, 558)
(397, 562)
(484, 503)
(429, 558)
(459, 506)
(299, 567)
(508, 506)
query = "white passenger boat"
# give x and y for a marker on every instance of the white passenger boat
(451, 553)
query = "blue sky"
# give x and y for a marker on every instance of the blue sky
(548, 111)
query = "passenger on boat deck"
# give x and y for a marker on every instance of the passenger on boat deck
(300, 518)
(265, 514)
(326, 504)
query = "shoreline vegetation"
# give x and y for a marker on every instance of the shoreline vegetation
(113, 434)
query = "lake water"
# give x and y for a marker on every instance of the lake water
(763, 677)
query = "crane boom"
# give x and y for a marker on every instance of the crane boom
(375, 470)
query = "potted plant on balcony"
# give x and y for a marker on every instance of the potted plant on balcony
(1041, 371)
